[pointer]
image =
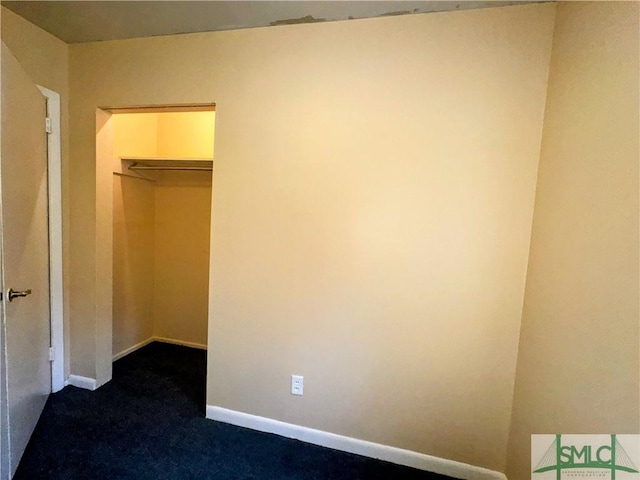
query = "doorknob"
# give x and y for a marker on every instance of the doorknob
(11, 294)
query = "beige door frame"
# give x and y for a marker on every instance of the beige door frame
(104, 231)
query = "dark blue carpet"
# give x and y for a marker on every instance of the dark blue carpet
(148, 423)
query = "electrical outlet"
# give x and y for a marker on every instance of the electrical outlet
(297, 385)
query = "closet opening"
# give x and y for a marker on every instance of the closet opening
(162, 179)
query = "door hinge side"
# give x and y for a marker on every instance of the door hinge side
(47, 125)
(52, 354)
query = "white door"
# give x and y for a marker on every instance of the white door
(25, 252)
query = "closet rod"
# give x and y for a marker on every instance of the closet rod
(134, 176)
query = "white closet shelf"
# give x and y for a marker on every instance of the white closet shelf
(158, 163)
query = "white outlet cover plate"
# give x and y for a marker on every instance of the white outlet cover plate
(297, 385)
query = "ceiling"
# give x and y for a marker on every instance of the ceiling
(90, 21)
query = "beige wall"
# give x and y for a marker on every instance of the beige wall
(182, 227)
(161, 231)
(133, 261)
(578, 363)
(134, 135)
(371, 215)
(186, 134)
(46, 59)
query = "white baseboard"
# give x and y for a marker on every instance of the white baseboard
(172, 341)
(179, 342)
(82, 382)
(399, 456)
(132, 349)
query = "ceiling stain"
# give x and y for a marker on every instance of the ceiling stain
(295, 21)
(393, 14)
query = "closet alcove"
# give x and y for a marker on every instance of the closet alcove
(162, 186)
